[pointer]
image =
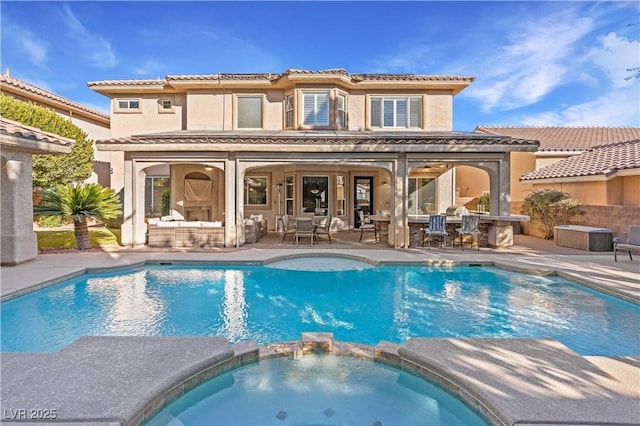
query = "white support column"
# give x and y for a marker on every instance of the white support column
(127, 237)
(139, 227)
(230, 228)
(239, 211)
(505, 186)
(400, 218)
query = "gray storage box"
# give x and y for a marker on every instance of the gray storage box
(584, 237)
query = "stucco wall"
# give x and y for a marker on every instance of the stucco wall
(617, 191)
(472, 181)
(148, 119)
(439, 110)
(521, 163)
(630, 191)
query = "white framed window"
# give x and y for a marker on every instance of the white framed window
(396, 112)
(249, 110)
(315, 108)
(342, 111)
(255, 190)
(289, 195)
(128, 105)
(288, 111)
(341, 195)
(315, 195)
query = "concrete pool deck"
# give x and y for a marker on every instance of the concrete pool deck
(519, 381)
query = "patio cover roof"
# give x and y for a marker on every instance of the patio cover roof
(318, 140)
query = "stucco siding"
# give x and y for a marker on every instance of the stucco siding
(630, 191)
(439, 110)
(126, 123)
(357, 114)
(205, 111)
(521, 163)
(472, 181)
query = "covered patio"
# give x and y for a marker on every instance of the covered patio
(285, 164)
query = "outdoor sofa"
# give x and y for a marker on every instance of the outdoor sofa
(255, 227)
(182, 233)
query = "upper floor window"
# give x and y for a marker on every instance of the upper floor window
(315, 108)
(288, 111)
(342, 111)
(128, 104)
(396, 112)
(249, 112)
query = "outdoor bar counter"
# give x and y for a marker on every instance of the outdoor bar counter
(496, 231)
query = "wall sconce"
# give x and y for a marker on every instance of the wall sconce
(208, 168)
(385, 183)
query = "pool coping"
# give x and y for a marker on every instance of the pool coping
(505, 381)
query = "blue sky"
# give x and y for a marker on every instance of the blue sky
(535, 63)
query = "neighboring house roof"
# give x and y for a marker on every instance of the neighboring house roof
(18, 136)
(605, 161)
(26, 90)
(566, 138)
(264, 140)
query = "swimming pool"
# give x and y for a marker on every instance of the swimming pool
(364, 305)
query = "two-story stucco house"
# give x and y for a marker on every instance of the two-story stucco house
(297, 143)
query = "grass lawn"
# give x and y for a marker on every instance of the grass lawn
(64, 238)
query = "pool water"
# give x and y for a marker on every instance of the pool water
(317, 390)
(363, 305)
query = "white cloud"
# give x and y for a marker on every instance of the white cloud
(536, 59)
(92, 46)
(27, 41)
(615, 56)
(617, 108)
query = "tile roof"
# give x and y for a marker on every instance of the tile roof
(602, 160)
(17, 129)
(327, 137)
(275, 76)
(6, 80)
(566, 138)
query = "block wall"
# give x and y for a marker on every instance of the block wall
(616, 218)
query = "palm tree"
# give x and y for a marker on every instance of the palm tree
(79, 203)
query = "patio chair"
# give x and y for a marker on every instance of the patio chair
(469, 226)
(367, 227)
(325, 228)
(305, 228)
(288, 228)
(632, 242)
(437, 228)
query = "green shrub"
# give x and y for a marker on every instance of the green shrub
(485, 200)
(49, 221)
(50, 170)
(550, 208)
